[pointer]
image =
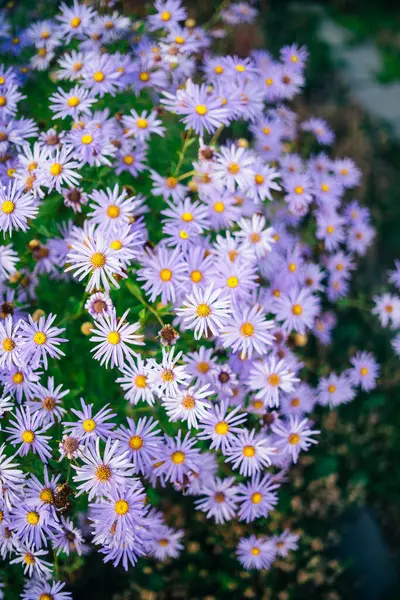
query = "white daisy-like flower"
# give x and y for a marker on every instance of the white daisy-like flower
(247, 330)
(134, 381)
(113, 336)
(255, 235)
(294, 436)
(165, 378)
(271, 377)
(9, 349)
(16, 207)
(205, 310)
(94, 256)
(189, 405)
(59, 169)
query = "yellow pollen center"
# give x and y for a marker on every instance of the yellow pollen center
(256, 498)
(29, 559)
(167, 375)
(18, 377)
(3, 100)
(136, 442)
(249, 451)
(40, 338)
(144, 76)
(257, 404)
(247, 329)
(201, 109)
(364, 371)
(114, 338)
(46, 597)
(219, 207)
(298, 189)
(103, 473)
(8, 344)
(86, 139)
(33, 517)
(232, 281)
(187, 217)
(222, 428)
(325, 187)
(116, 245)
(330, 229)
(255, 551)
(203, 367)
(188, 402)
(121, 507)
(203, 310)
(294, 439)
(178, 457)
(142, 123)
(254, 238)
(141, 381)
(332, 389)
(234, 168)
(274, 379)
(89, 425)
(99, 76)
(98, 260)
(28, 436)
(73, 101)
(129, 159)
(75, 22)
(113, 211)
(165, 16)
(196, 276)
(56, 169)
(295, 402)
(266, 130)
(259, 179)
(8, 207)
(165, 274)
(46, 496)
(218, 70)
(297, 310)
(171, 182)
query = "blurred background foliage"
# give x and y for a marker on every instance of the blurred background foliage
(344, 496)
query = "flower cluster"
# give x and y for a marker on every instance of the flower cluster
(244, 247)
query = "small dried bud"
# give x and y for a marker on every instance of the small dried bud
(37, 314)
(86, 328)
(168, 335)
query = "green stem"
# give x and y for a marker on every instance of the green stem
(216, 135)
(142, 301)
(187, 175)
(188, 140)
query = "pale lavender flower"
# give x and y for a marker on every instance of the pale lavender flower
(256, 552)
(27, 432)
(205, 311)
(294, 435)
(249, 452)
(113, 336)
(257, 497)
(220, 502)
(271, 377)
(247, 330)
(39, 339)
(365, 371)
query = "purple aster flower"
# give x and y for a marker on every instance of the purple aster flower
(359, 237)
(365, 371)
(334, 390)
(38, 492)
(59, 169)
(74, 20)
(205, 311)
(71, 104)
(91, 144)
(220, 501)
(164, 542)
(323, 327)
(134, 381)
(16, 207)
(99, 75)
(166, 377)
(293, 436)
(101, 473)
(19, 382)
(233, 167)
(257, 497)
(199, 364)
(12, 478)
(93, 255)
(89, 426)
(99, 304)
(256, 552)
(168, 15)
(262, 183)
(249, 452)
(347, 171)
(203, 111)
(320, 129)
(294, 55)
(162, 272)
(247, 330)
(301, 401)
(27, 432)
(9, 344)
(330, 229)
(223, 209)
(47, 401)
(271, 377)
(33, 524)
(190, 405)
(143, 125)
(178, 459)
(142, 442)
(45, 589)
(68, 539)
(167, 187)
(113, 336)
(285, 542)
(39, 339)
(238, 280)
(297, 310)
(387, 308)
(33, 564)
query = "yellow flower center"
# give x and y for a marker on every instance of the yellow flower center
(99, 76)
(256, 498)
(219, 207)
(188, 402)
(73, 101)
(344, 171)
(295, 402)
(179, 40)
(165, 16)
(218, 70)
(187, 217)
(33, 517)
(86, 139)
(103, 473)
(297, 310)
(257, 404)
(222, 428)
(196, 276)
(259, 179)
(255, 551)
(274, 379)
(116, 245)
(11, 172)
(178, 457)
(46, 496)
(144, 76)
(332, 389)
(183, 235)
(298, 189)
(113, 211)
(75, 22)
(98, 260)
(266, 130)
(8, 207)
(18, 377)
(167, 375)
(232, 281)
(121, 507)
(28, 436)
(171, 182)
(136, 442)
(330, 229)
(129, 159)
(46, 597)
(89, 425)
(203, 310)
(249, 451)
(364, 371)
(141, 381)
(247, 329)
(254, 238)
(3, 100)
(294, 439)
(142, 123)
(40, 338)
(8, 344)
(165, 274)
(56, 169)
(325, 187)
(234, 168)
(203, 367)
(114, 338)
(201, 109)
